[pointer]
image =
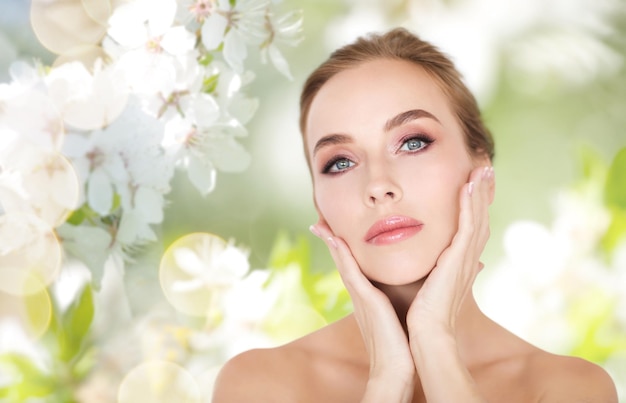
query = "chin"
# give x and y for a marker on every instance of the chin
(396, 272)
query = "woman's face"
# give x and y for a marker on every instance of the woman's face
(388, 161)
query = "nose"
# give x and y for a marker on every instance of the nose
(382, 189)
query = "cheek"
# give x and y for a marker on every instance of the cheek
(332, 204)
(444, 194)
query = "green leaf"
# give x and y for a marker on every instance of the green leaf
(85, 364)
(206, 59)
(83, 213)
(284, 252)
(77, 217)
(209, 84)
(615, 200)
(616, 231)
(331, 297)
(19, 364)
(593, 318)
(593, 164)
(324, 291)
(51, 339)
(30, 380)
(615, 187)
(76, 323)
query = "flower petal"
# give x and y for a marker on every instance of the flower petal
(206, 110)
(235, 50)
(242, 107)
(178, 41)
(100, 192)
(201, 174)
(160, 15)
(189, 261)
(126, 25)
(213, 31)
(228, 155)
(187, 286)
(149, 204)
(279, 61)
(90, 244)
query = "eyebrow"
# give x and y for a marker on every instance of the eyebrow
(398, 120)
(408, 116)
(331, 139)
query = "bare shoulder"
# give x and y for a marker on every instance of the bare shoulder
(572, 379)
(304, 370)
(257, 375)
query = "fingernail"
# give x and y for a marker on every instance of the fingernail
(485, 172)
(470, 188)
(314, 230)
(332, 242)
(491, 173)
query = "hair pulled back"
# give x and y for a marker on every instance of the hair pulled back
(400, 44)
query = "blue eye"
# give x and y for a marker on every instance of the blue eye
(415, 144)
(338, 165)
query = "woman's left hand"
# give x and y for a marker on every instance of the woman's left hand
(432, 316)
(437, 304)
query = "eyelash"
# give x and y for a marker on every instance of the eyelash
(426, 140)
(332, 162)
(422, 138)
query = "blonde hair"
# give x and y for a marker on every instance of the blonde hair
(400, 44)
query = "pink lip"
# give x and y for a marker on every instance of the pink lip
(392, 229)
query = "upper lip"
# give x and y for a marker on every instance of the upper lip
(389, 224)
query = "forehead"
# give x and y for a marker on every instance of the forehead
(363, 98)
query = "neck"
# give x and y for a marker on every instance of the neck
(470, 318)
(401, 297)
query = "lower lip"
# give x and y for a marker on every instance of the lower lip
(396, 235)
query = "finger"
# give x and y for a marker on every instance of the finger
(348, 268)
(462, 238)
(482, 202)
(480, 218)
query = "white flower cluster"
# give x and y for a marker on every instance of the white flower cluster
(91, 150)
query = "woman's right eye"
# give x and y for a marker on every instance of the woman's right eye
(338, 165)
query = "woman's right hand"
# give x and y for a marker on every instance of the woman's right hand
(392, 370)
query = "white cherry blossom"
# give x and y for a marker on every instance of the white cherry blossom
(235, 26)
(87, 100)
(150, 44)
(285, 29)
(170, 92)
(37, 181)
(18, 101)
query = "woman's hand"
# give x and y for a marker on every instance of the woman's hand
(438, 302)
(432, 317)
(392, 370)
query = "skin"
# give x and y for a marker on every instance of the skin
(416, 333)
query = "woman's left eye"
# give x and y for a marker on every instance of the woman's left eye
(414, 144)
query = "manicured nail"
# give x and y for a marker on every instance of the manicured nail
(332, 242)
(491, 173)
(485, 172)
(470, 188)
(314, 230)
